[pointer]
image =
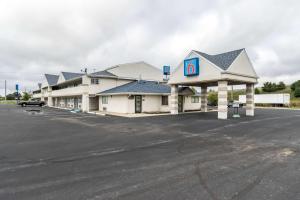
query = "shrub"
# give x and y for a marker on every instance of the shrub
(257, 91)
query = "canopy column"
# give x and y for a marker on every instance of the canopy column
(174, 99)
(250, 99)
(204, 98)
(222, 100)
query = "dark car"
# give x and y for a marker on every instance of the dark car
(32, 102)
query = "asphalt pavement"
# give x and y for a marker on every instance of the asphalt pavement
(46, 153)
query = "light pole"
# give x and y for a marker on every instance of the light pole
(5, 89)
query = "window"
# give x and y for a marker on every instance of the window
(164, 100)
(195, 99)
(105, 100)
(94, 81)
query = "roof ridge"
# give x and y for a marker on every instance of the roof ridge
(72, 72)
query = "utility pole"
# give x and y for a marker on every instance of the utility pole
(5, 89)
(231, 92)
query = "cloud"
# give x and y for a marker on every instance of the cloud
(43, 36)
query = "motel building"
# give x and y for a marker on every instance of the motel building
(140, 87)
(126, 89)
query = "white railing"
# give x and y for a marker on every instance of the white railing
(38, 95)
(72, 91)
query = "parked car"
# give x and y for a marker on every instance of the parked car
(32, 102)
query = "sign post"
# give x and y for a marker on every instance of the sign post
(17, 90)
(166, 71)
(236, 106)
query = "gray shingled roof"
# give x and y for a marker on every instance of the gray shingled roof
(140, 87)
(102, 73)
(71, 75)
(144, 87)
(223, 60)
(51, 79)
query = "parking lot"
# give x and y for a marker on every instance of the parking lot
(55, 154)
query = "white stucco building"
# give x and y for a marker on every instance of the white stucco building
(93, 92)
(139, 87)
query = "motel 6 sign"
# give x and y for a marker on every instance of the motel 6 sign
(191, 67)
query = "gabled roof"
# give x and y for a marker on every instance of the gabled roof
(102, 73)
(71, 75)
(141, 86)
(146, 87)
(223, 60)
(51, 79)
(136, 70)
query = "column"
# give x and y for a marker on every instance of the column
(250, 99)
(50, 99)
(174, 99)
(204, 98)
(85, 103)
(222, 100)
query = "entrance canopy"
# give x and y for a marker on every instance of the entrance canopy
(204, 70)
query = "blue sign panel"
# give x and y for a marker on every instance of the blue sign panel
(191, 67)
(166, 70)
(17, 87)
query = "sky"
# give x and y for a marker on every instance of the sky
(49, 36)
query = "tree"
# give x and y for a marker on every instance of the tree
(213, 98)
(26, 96)
(295, 85)
(281, 86)
(269, 87)
(297, 92)
(257, 91)
(272, 87)
(13, 96)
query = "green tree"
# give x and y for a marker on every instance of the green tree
(213, 98)
(13, 96)
(26, 96)
(295, 85)
(297, 92)
(272, 87)
(281, 86)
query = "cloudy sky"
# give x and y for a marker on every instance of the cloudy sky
(48, 36)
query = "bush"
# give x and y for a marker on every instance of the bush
(297, 92)
(257, 91)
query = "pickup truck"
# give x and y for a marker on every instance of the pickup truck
(32, 102)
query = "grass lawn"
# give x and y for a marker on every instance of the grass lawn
(8, 102)
(295, 103)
